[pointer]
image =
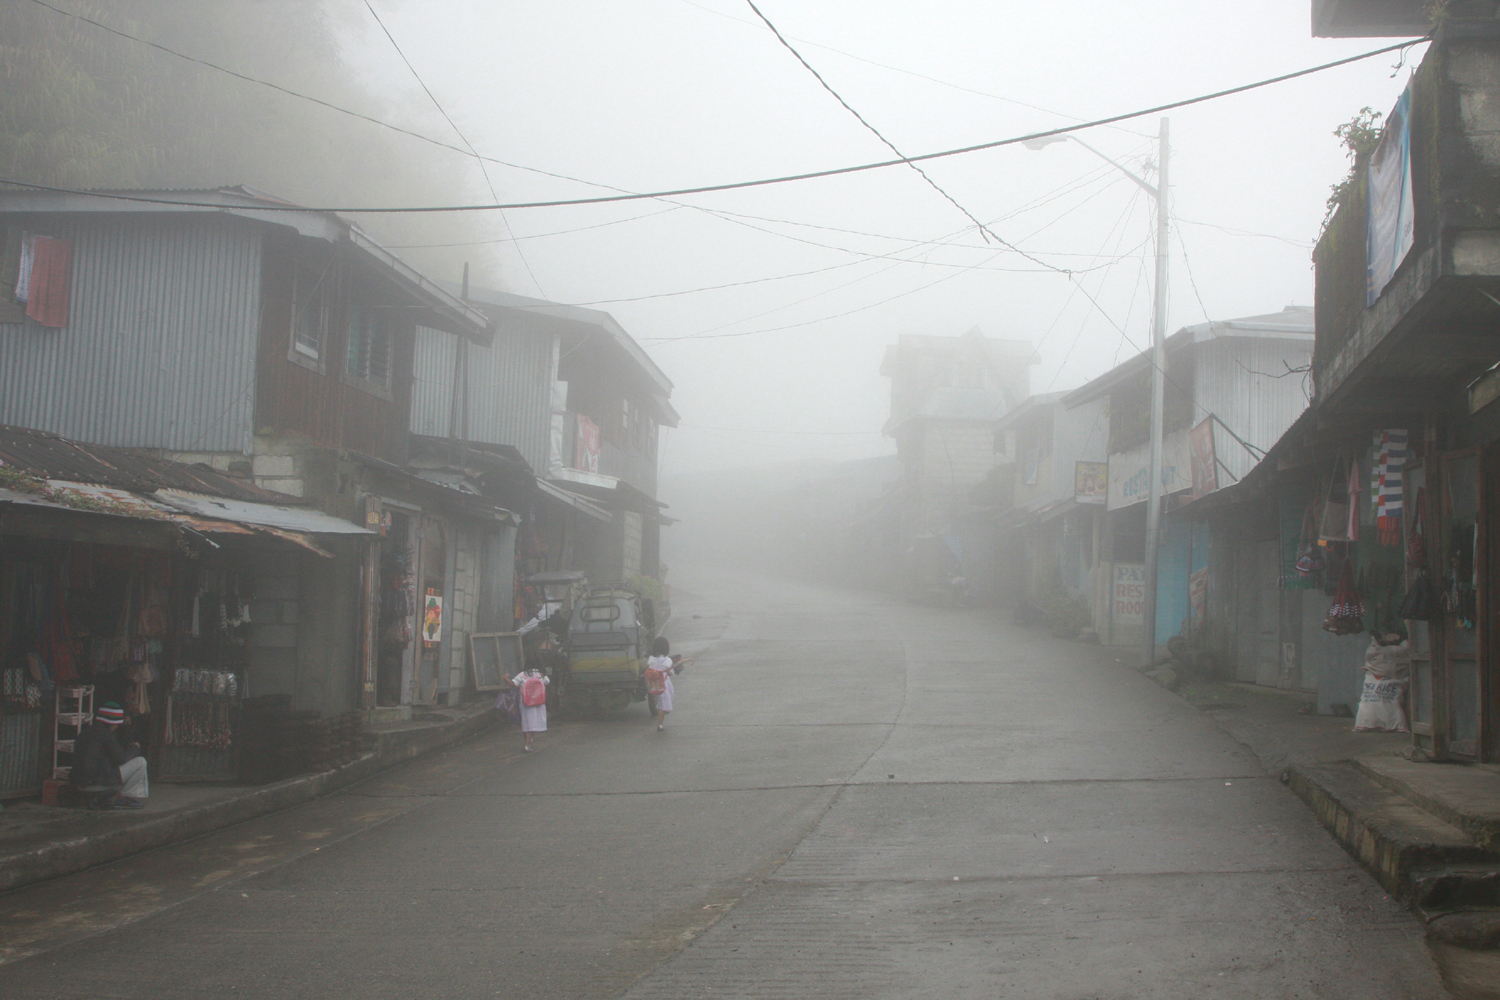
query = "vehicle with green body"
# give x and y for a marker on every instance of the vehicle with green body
(609, 638)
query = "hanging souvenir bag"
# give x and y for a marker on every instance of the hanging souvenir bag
(1416, 543)
(1309, 556)
(1335, 524)
(1421, 602)
(1346, 615)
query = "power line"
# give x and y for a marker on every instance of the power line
(1193, 283)
(534, 236)
(898, 69)
(458, 132)
(896, 262)
(1120, 224)
(983, 229)
(738, 185)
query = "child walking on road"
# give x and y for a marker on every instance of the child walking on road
(532, 685)
(660, 666)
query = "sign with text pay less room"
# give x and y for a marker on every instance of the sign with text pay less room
(1127, 605)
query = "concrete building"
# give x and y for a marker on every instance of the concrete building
(946, 394)
(1233, 388)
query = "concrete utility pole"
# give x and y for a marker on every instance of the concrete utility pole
(1158, 365)
(1158, 395)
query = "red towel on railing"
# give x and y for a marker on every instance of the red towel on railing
(47, 298)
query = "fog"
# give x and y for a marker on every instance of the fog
(768, 307)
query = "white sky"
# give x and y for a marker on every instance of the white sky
(651, 94)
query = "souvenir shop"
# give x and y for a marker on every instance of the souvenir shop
(143, 615)
(1389, 540)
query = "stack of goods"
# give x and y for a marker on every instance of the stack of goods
(260, 737)
(200, 709)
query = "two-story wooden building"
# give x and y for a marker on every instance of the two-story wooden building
(275, 344)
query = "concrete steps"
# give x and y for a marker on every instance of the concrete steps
(1430, 833)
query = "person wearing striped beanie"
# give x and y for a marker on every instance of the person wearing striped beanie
(101, 764)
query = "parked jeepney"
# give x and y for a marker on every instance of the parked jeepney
(559, 590)
(609, 638)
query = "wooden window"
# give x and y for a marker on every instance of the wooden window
(310, 312)
(369, 354)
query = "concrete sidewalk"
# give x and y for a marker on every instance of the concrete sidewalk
(40, 842)
(1429, 832)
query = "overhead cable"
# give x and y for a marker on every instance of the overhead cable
(458, 132)
(984, 230)
(741, 185)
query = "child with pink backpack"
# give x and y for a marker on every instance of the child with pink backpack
(532, 685)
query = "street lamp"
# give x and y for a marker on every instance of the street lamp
(1158, 363)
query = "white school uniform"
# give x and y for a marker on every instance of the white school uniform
(664, 664)
(533, 717)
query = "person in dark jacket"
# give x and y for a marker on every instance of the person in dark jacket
(99, 761)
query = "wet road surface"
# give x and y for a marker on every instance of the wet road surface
(855, 798)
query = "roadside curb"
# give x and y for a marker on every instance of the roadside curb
(65, 857)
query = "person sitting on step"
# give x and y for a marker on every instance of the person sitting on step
(102, 765)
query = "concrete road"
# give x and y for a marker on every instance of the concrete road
(855, 798)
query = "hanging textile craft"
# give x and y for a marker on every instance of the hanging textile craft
(1354, 491)
(1346, 615)
(1390, 446)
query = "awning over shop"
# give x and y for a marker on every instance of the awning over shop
(574, 500)
(200, 514)
(268, 515)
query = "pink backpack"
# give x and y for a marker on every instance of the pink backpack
(533, 692)
(656, 681)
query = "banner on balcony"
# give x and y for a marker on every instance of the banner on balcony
(586, 454)
(1390, 210)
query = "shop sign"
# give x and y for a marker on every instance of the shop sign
(432, 617)
(1205, 459)
(1127, 605)
(1090, 482)
(1129, 471)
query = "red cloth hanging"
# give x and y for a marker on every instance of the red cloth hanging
(51, 272)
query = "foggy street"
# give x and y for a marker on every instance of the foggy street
(855, 797)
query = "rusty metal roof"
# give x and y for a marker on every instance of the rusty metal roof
(51, 456)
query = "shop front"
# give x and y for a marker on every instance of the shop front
(180, 607)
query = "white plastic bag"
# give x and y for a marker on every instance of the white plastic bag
(1380, 706)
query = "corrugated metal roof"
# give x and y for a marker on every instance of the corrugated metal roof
(286, 518)
(248, 203)
(580, 319)
(52, 456)
(1292, 323)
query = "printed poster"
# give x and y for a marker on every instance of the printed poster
(432, 617)
(1090, 482)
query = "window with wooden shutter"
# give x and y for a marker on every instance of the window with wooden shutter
(369, 354)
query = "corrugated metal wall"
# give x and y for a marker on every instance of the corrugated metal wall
(159, 350)
(510, 389)
(1236, 380)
